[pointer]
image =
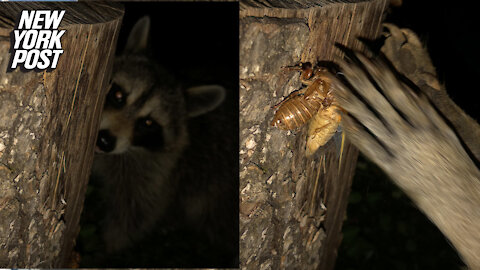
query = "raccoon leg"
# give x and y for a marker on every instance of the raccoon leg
(401, 131)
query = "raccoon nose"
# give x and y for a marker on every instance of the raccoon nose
(106, 141)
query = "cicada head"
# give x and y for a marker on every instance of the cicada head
(307, 70)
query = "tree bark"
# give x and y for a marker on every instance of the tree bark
(292, 207)
(48, 127)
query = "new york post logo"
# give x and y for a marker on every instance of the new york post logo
(36, 41)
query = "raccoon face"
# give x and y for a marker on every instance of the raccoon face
(123, 128)
(143, 109)
(120, 131)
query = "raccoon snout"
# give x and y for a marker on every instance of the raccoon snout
(106, 141)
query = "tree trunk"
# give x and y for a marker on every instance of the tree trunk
(292, 207)
(48, 127)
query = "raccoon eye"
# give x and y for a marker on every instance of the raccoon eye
(148, 134)
(116, 97)
(148, 122)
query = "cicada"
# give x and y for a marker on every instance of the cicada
(314, 104)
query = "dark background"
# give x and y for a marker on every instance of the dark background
(384, 229)
(198, 43)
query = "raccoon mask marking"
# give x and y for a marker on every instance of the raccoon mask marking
(139, 112)
(143, 132)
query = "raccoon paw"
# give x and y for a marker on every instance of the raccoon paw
(408, 55)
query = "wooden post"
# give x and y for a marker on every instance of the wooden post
(292, 207)
(48, 127)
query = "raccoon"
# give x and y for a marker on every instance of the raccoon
(143, 134)
(395, 123)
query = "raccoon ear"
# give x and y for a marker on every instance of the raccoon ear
(138, 38)
(205, 98)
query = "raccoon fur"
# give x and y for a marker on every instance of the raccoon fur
(407, 129)
(143, 134)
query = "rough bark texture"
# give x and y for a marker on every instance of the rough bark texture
(283, 224)
(48, 126)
